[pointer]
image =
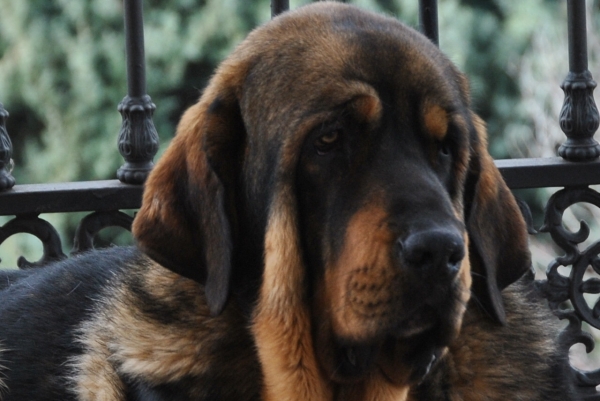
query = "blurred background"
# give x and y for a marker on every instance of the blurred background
(62, 75)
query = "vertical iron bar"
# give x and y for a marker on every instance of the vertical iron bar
(138, 139)
(579, 118)
(578, 58)
(428, 20)
(279, 6)
(134, 42)
(7, 181)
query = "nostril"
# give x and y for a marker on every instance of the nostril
(437, 249)
(456, 258)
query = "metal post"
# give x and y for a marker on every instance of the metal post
(6, 179)
(138, 139)
(579, 118)
(279, 6)
(428, 20)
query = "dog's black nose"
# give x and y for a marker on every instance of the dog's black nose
(438, 250)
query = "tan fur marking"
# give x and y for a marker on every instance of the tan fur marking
(368, 107)
(121, 339)
(466, 279)
(362, 273)
(379, 389)
(281, 323)
(159, 352)
(374, 388)
(96, 379)
(436, 121)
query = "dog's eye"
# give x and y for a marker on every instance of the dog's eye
(328, 141)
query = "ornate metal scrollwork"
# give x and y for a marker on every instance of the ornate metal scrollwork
(138, 140)
(91, 224)
(32, 224)
(6, 179)
(559, 289)
(87, 229)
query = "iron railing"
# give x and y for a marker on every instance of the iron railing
(576, 168)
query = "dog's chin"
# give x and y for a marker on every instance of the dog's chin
(403, 357)
(409, 360)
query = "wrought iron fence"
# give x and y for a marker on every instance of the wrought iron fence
(576, 168)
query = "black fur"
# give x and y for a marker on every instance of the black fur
(40, 312)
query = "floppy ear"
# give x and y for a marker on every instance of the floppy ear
(187, 221)
(498, 247)
(281, 323)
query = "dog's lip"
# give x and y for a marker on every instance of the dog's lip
(415, 323)
(412, 328)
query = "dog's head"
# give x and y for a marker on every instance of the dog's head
(345, 141)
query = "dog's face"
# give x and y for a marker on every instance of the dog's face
(341, 142)
(380, 183)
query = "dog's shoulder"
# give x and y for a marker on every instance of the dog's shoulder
(152, 336)
(115, 324)
(40, 310)
(494, 362)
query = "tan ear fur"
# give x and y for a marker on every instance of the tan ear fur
(498, 249)
(281, 324)
(375, 387)
(187, 219)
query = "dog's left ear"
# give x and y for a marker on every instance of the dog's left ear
(498, 246)
(188, 219)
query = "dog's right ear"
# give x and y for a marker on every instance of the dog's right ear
(498, 247)
(187, 221)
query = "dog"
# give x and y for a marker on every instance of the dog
(326, 225)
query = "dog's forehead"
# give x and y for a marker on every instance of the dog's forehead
(302, 66)
(311, 54)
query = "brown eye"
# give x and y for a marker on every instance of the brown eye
(328, 141)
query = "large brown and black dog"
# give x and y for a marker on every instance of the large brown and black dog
(322, 226)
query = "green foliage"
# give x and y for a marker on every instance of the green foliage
(62, 75)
